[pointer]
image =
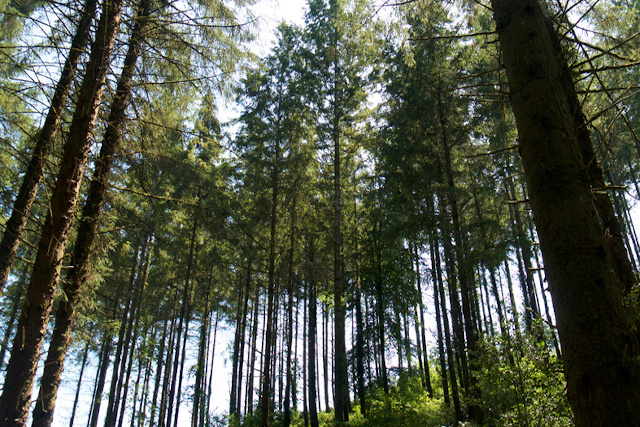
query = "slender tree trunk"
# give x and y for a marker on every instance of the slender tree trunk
(77, 397)
(200, 367)
(35, 169)
(456, 316)
(447, 334)
(528, 290)
(159, 365)
(16, 395)
(16, 299)
(290, 369)
(512, 300)
(465, 276)
(311, 362)
(359, 322)
(183, 357)
(183, 325)
(420, 331)
(166, 386)
(599, 353)
(118, 363)
(213, 357)
(243, 328)
(102, 376)
(439, 318)
(266, 391)
(380, 310)
(254, 338)
(238, 338)
(325, 356)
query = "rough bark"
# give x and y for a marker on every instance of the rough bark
(600, 353)
(87, 232)
(35, 169)
(16, 395)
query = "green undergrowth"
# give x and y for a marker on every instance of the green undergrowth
(521, 383)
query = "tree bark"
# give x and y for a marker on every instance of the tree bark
(35, 169)
(87, 232)
(16, 395)
(600, 353)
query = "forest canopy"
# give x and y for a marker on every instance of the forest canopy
(411, 213)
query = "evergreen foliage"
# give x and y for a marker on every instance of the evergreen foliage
(360, 227)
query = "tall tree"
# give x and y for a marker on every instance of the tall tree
(77, 276)
(20, 373)
(336, 44)
(35, 169)
(600, 351)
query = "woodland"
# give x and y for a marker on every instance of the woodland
(402, 213)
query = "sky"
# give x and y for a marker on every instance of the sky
(271, 13)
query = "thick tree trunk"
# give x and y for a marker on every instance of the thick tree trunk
(599, 350)
(16, 395)
(87, 232)
(35, 169)
(611, 224)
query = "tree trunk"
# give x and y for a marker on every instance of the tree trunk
(265, 398)
(77, 397)
(238, 338)
(439, 318)
(290, 368)
(341, 397)
(159, 365)
(15, 300)
(118, 363)
(599, 353)
(311, 362)
(16, 395)
(437, 282)
(102, 376)
(87, 232)
(200, 367)
(35, 169)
